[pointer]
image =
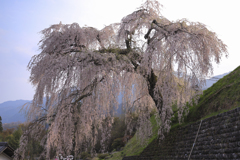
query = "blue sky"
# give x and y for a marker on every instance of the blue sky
(22, 20)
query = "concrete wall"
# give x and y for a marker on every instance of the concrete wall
(218, 138)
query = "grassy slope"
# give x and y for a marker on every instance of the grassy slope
(133, 147)
(224, 95)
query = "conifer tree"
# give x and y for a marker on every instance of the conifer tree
(1, 128)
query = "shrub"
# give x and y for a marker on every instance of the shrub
(117, 143)
(103, 155)
(85, 155)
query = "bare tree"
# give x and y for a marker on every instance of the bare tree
(82, 70)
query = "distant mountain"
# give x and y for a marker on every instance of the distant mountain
(211, 81)
(9, 111)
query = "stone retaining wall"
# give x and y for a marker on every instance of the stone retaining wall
(218, 138)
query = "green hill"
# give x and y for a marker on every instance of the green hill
(224, 95)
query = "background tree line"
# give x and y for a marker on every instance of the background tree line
(11, 133)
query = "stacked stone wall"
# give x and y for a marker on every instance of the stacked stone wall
(218, 138)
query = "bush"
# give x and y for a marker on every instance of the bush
(85, 155)
(123, 154)
(117, 143)
(103, 155)
(153, 112)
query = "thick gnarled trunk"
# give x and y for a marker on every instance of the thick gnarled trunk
(152, 81)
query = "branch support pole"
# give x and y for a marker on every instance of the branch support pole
(195, 140)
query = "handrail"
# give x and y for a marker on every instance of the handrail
(195, 140)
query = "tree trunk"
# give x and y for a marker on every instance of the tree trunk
(152, 80)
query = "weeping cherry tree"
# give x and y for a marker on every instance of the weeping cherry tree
(82, 70)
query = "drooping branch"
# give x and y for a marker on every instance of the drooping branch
(88, 89)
